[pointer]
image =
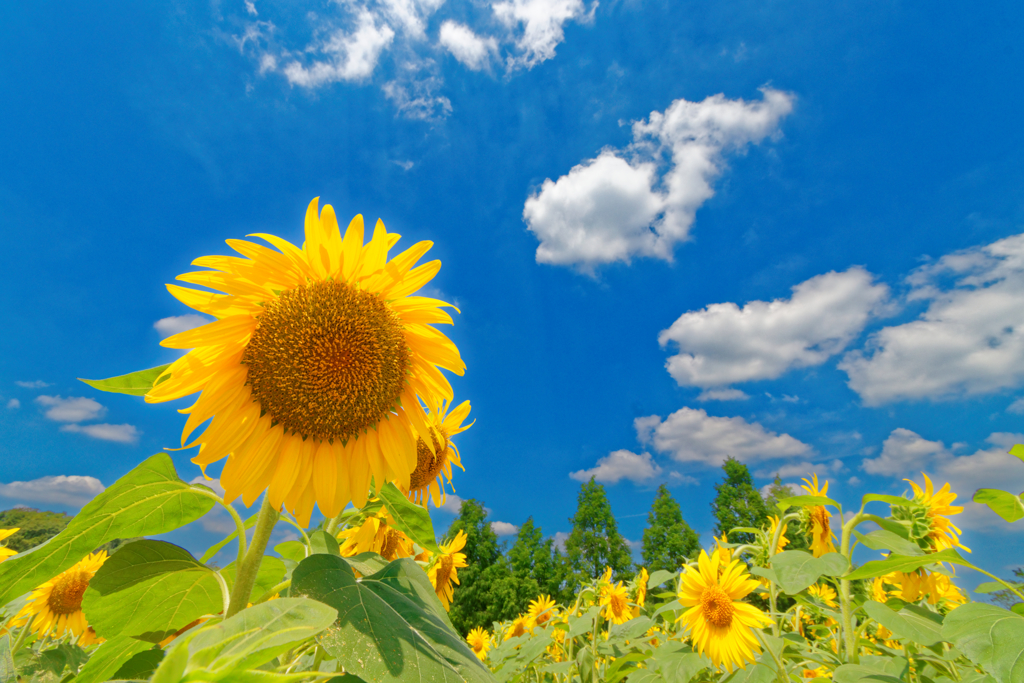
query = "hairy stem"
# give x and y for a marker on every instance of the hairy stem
(245, 577)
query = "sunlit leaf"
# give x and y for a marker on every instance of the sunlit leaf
(322, 542)
(806, 501)
(134, 383)
(409, 518)
(906, 624)
(1018, 451)
(272, 572)
(659, 577)
(109, 657)
(795, 570)
(903, 563)
(880, 539)
(891, 500)
(989, 636)
(7, 671)
(1005, 504)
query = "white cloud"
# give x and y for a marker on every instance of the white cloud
(123, 433)
(970, 339)
(348, 56)
(905, 451)
(690, 435)
(542, 23)
(619, 465)
(466, 46)
(180, 323)
(210, 484)
(71, 409)
(793, 488)
(13, 404)
(800, 469)
(559, 539)
(853, 481)
(72, 491)
(1017, 407)
(634, 545)
(722, 395)
(452, 504)
(250, 7)
(723, 343)
(682, 479)
(504, 528)
(619, 205)
(417, 99)
(35, 384)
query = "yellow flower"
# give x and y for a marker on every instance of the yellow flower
(943, 533)
(878, 591)
(606, 578)
(444, 571)
(641, 587)
(720, 624)
(726, 553)
(945, 590)
(6, 552)
(315, 366)
(433, 465)
(55, 607)
(819, 521)
(542, 610)
(376, 535)
(654, 633)
(819, 672)
(783, 541)
(615, 600)
(480, 641)
(519, 626)
(824, 593)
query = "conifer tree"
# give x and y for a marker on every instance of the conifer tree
(594, 542)
(737, 502)
(534, 563)
(668, 539)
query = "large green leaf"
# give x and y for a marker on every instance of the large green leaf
(796, 569)
(322, 542)
(993, 586)
(214, 549)
(367, 563)
(852, 673)
(1005, 504)
(8, 673)
(148, 590)
(1018, 451)
(410, 518)
(109, 657)
(677, 662)
(989, 636)
(383, 634)
(758, 673)
(659, 577)
(272, 572)
(149, 500)
(904, 563)
(806, 501)
(408, 578)
(906, 624)
(256, 635)
(880, 539)
(140, 667)
(136, 383)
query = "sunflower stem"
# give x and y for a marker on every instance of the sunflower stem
(239, 524)
(245, 577)
(849, 637)
(21, 636)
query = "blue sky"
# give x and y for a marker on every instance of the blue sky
(784, 231)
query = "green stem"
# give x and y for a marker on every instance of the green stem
(239, 524)
(780, 669)
(21, 636)
(273, 591)
(849, 638)
(1009, 586)
(245, 577)
(305, 538)
(772, 588)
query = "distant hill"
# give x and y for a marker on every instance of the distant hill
(39, 526)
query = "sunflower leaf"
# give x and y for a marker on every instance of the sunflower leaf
(991, 637)
(214, 549)
(406, 577)
(1018, 451)
(7, 671)
(881, 539)
(904, 563)
(795, 570)
(806, 501)
(905, 624)
(149, 500)
(1003, 503)
(409, 518)
(136, 383)
(110, 656)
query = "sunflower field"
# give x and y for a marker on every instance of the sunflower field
(320, 386)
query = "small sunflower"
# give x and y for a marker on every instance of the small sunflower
(824, 593)
(434, 465)
(376, 535)
(542, 610)
(942, 533)
(444, 571)
(55, 607)
(315, 368)
(641, 587)
(481, 641)
(615, 600)
(521, 625)
(819, 520)
(720, 624)
(783, 541)
(6, 552)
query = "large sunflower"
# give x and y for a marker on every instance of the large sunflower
(445, 569)
(720, 624)
(615, 600)
(542, 610)
(314, 370)
(433, 466)
(819, 520)
(376, 535)
(942, 533)
(55, 607)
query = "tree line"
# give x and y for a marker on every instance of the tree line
(500, 581)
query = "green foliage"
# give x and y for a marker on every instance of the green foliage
(595, 542)
(536, 565)
(134, 383)
(668, 540)
(34, 527)
(737, 503)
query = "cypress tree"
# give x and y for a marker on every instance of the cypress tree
(594, 542)
(738, 503)
(668, 539)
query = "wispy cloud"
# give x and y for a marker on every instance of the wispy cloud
(123, 433)
(13, 404)
(473, 51)
(722, 395)
(452, 504)
(72, 491)
(35, 384)
(71, 409)
(641, 201)
(180, 323)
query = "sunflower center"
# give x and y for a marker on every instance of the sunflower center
(429, 465)
(518, 628)
(444, 569)
(391, 546)
(543, 617)
(327, 360)
(819, 516)
(66, 594)
(619, 604)
(716, 606)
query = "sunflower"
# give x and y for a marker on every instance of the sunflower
(6, 552)
(376, 535)
(819, 520)
(824, 593)
(315, 367)
(480, 641)
(721, 546)
(427, 481)
(654, 633)
(55, 607)
(720, 624)
(542, 610)
(641, 587)
(521, 625)
(783, 541)
(444, 571)
(942, 533)
(615, 600)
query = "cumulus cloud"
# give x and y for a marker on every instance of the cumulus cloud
(723, 343)
(801, 469)
(13, 404)
(539, 25)
(690, 435)
(452, 504)
(504, 528)
(71, 409)
(180, 323)
(969, 340)
(905, 451)
(34, 384)
(722, 395)
(344, 55)
(123, 433)
(70, 491)
(559, 539)
(619, 465)
(642, 200)
(466, 46)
